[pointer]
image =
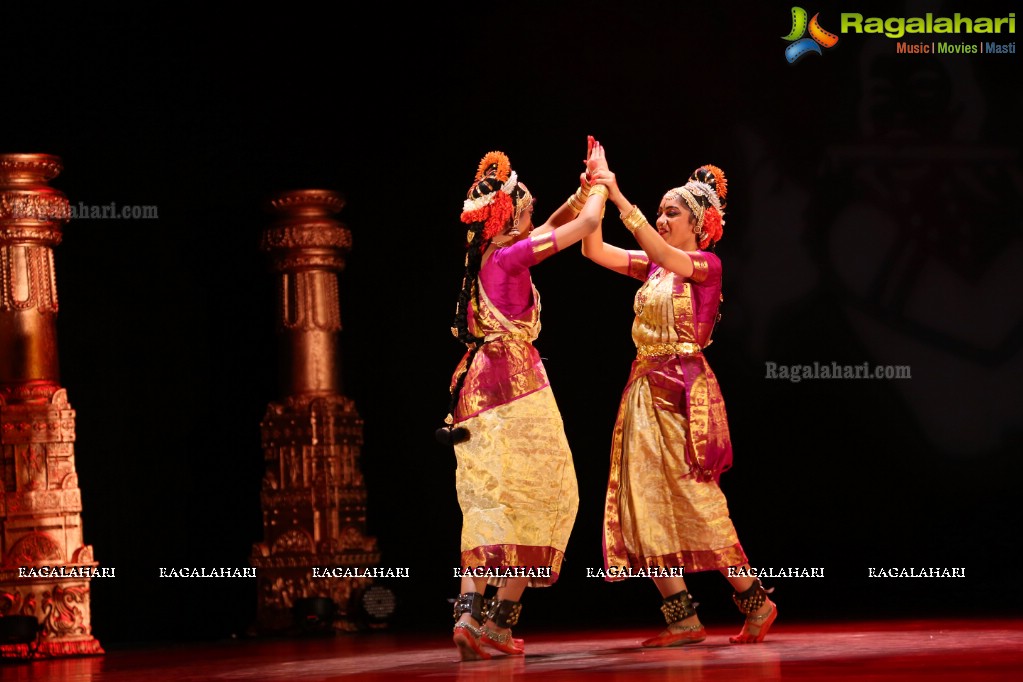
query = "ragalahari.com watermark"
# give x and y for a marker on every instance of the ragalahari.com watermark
(113, 211)
(33, 207)
(823, 370)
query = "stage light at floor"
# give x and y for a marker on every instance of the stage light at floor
(377, 604)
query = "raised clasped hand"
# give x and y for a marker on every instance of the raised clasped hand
(596, 160)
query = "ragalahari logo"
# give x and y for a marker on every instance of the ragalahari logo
(801, 46)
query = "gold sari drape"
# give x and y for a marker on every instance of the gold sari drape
(662, 509)
(515, 478)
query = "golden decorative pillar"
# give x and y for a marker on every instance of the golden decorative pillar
(45, 565)
(313, 497)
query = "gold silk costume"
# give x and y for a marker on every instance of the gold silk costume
(515, 477)
(664, 507)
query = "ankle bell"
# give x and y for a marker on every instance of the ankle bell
(752, 599)
(504, 613)
(678, 607)
(473, 604)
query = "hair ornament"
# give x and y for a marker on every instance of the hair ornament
(713, 227)
(494, 165)
(709, 213)
(719, 178)
(486, 202)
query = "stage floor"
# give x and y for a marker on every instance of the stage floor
(975, 650)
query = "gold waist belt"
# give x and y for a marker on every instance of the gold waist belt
(653, 349)
(502, 336)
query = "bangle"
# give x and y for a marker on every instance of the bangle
(576, 201)
(634, 219)
(589, 188)
(600, 189)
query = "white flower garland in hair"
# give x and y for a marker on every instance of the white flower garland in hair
(479, 202)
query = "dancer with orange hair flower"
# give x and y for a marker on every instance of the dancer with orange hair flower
(515, 478)
(664, 509)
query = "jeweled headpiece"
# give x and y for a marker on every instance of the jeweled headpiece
(522, 203)
(710, 220)
(489, 199)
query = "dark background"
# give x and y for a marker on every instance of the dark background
(874, 216)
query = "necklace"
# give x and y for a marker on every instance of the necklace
(644, 291)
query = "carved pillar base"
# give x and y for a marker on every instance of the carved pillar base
(313, 497)
(314, 507)
(314, 511)
(60, 605)
(40, 523)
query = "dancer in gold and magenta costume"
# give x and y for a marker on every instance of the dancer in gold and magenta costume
(515, 478)
(664, 509)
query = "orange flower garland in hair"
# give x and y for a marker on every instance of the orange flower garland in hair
(713, 227)
(501, 163)
(496, 208)
(713, 219)
(500, 213)
(720, 180)
(494, 216)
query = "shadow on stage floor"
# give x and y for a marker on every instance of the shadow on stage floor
(891, 650)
